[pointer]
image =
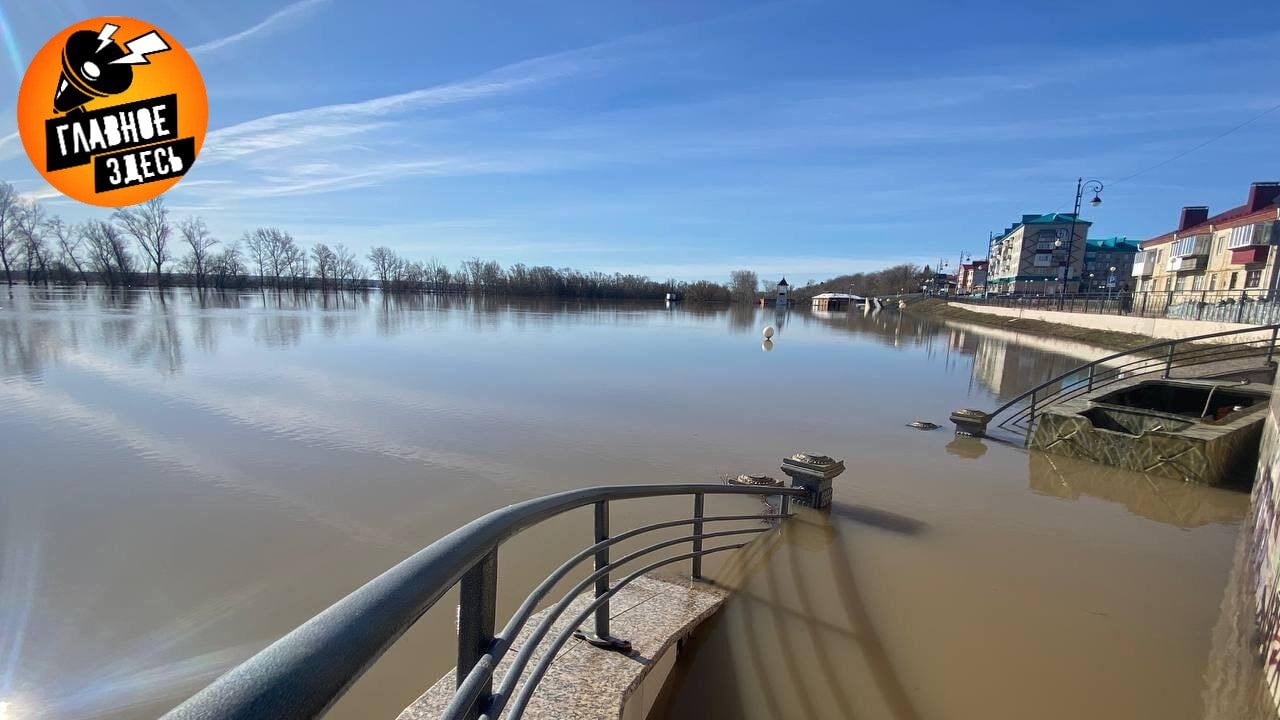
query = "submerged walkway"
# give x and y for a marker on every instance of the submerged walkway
(587, 683)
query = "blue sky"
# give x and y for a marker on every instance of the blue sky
(684, 139)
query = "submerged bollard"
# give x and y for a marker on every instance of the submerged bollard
(814, 473)
(971, 422)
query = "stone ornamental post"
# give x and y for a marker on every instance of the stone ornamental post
(814, 473)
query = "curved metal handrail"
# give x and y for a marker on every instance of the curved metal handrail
(1192, 357)
(303, 673)
(1071, 385)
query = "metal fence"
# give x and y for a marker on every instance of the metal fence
(1251, 306)
(303, 673)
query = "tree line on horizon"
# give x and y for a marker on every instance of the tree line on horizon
(143, 245)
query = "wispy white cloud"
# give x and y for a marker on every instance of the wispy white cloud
(10, 146)
(273, 23)
(43, 193)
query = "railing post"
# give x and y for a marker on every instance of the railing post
(1092, 368)
(477, 608)
(1271, 348)
(1031, 417)
(1200, 307)
(698, 502)
(1143, 312)
(1240, 307)
(601, 637)
(1168, 363)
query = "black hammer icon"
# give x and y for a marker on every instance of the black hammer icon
(95, 66)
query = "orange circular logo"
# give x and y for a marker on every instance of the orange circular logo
(112, 111)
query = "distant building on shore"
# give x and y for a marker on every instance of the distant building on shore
(1230, 251)
(1039, 254)
(1102, 254)
(833, 301)
(783, 295)
(972, 277)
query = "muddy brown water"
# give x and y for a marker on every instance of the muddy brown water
(188, 476)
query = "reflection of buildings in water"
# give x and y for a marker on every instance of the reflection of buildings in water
(1164, 500)
(1006, 373)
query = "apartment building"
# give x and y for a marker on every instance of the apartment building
(972, 276)
(1102, 254)
(1031, 256)
(1229, 251)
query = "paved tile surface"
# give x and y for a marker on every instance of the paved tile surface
(585, 682)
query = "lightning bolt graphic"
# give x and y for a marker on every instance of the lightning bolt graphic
(105, 36)
(140, 47)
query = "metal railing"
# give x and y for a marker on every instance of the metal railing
(1252, 305)
(303, 673)
(1019, 414)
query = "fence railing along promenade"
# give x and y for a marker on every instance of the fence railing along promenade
(1241, 348)
(1251, 306)
(303, 673)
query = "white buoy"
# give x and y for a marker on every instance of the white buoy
(768, 331)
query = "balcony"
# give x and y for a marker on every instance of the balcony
(1189, 246)
(1247, 255)
(1183, 264)
(1255, 235)
(1144, 263)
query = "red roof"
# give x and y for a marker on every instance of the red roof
(1234, 217)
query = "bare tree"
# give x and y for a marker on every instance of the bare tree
(383, 261)
(9, 207)
(148, 223)
(325, 262)
(742, 285)
(70, 241)
(275, 254)
(228, 265)
(347, 268)
(200, 242)
(294, 262)
(108, 251)
(29, 223)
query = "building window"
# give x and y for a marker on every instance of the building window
(1213, 283)
(1181, 283)
(1231, 284)
(1196, 282)
(1043, 260)
(1252, 278)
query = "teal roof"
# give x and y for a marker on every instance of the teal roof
(1052, 219)
(1119, 243)
(1046, 219)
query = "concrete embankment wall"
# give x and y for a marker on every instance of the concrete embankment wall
(1157, 328)
(1264, 550)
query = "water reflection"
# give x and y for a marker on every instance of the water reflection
(1165, 500)
(200, 471)
(864, 614)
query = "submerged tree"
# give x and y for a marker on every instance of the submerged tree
(148, 224)
(9, 207)
(199, 242)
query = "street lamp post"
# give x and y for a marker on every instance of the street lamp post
(1082, 185)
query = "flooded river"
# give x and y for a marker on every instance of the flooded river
(187, 477)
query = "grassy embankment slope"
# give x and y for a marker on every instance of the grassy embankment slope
(938, 308)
